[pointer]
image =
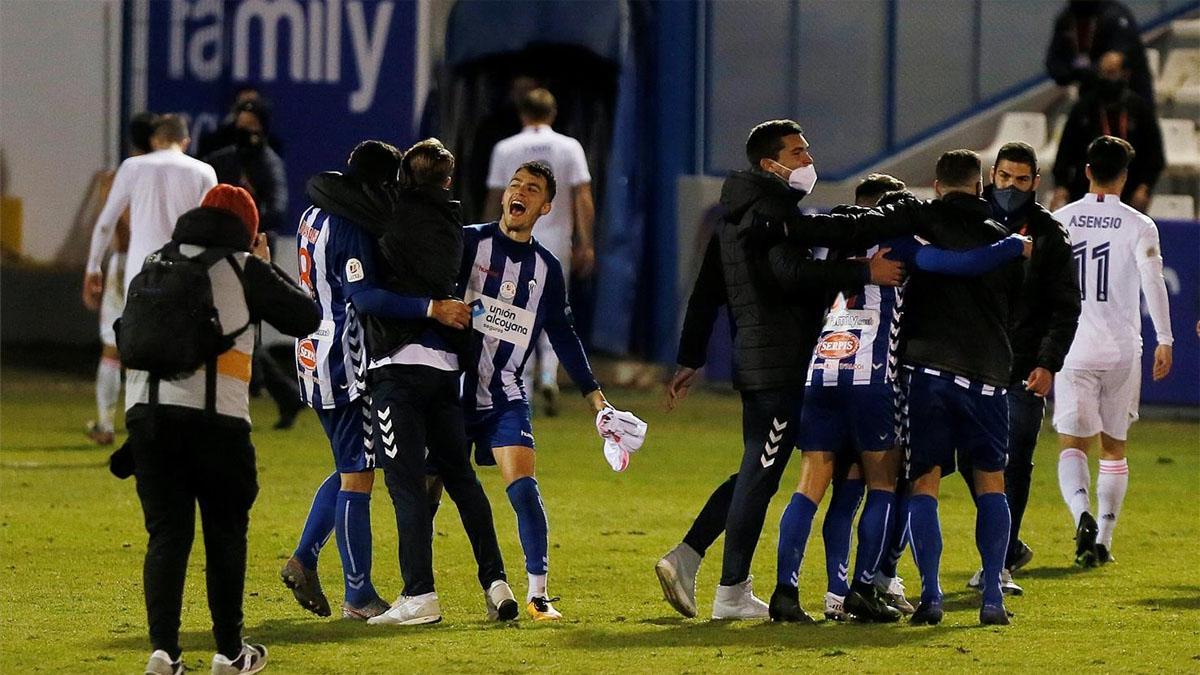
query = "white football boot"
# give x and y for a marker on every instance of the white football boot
(410, 610)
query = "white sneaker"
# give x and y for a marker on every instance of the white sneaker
(251, 659)
(411, 610)
(834, 607)
(501, 603)
(1007, 585)
(160, 663)
(676, 573)
(738, 602)
(892, 589)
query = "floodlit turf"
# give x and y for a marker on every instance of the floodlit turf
(71, 545)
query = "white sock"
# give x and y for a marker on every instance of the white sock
(1073, 480)
(108, 390)
(1110, 494)
(537, 587)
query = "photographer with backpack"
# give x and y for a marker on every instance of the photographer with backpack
(186, 336)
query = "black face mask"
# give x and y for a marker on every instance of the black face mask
(1010, 199)
(247, 140)
(1110, 91)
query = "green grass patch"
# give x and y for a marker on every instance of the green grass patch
(71, 547)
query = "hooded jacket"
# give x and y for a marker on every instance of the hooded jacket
(960, 325)
(1046, 310)
(776, 292)
(256, 291)
(419, 233)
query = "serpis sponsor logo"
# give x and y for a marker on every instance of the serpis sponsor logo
(837, 346)
(306, 354)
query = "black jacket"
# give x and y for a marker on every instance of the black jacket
(262, 171)
(959, 324)
(1104, 26)
(1046, 311)
(419, 234)
(1128, 117)
(776, 292)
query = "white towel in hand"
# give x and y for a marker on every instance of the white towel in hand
(623, 433)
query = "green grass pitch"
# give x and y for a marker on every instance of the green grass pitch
(71, 546)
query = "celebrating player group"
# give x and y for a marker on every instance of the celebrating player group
(893, 342)
(897, 341)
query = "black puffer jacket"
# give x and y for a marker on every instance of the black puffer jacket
(960, 324)
(419, 232)
(777, 293)
(1046, 311)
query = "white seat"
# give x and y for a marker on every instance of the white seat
(1172, 207)
(1154, 60)
(1181, 145)
(1029, 127)
(1185, 28)
(1180, 77)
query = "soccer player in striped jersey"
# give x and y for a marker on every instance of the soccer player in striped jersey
(849, 416)
(516, 291)
(337, 268)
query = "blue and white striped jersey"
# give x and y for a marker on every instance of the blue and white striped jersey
(862, 331)
(515, 290)
(335, 260)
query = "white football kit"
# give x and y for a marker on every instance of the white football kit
(158, 188)
(1116, 254)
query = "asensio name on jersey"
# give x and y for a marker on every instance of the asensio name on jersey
(516, 290)
(334, 254)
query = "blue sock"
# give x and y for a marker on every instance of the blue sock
(873, 528)
(353, 529)
(992, 522)
(835, 532)
(839, 522)
(794, 528)
(319, 525)
(897, 540)
(531, 523)
(925, 533)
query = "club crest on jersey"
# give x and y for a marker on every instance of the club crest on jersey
(508, 290)
(354, 270)
(306, 354)
(837, 346)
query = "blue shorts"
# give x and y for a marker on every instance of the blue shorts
(849, 419)
(506, 424)
(349, 430)
(945, 418)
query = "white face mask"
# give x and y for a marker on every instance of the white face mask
(802, 179)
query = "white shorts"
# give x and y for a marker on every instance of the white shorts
(1087, 402)
(113, 301)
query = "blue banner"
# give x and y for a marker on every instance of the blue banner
(336, 71)
(1181, 269)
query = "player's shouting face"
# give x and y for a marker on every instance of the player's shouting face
(526, 199)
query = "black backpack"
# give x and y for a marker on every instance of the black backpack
(170, 325)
